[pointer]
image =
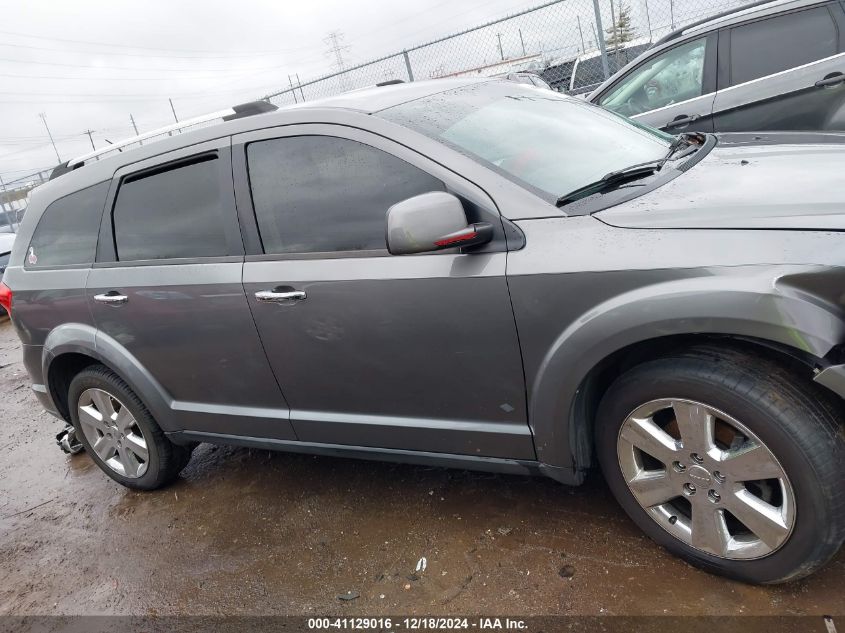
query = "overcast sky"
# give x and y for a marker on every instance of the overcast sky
(89, 64)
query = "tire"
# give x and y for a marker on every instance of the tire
(799, 427)
(153, 462)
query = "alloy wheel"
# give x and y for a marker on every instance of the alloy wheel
(113, 433)
(706, 478)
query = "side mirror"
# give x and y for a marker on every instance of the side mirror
(431, 222)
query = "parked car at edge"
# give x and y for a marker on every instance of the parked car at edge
(772, 66)
(583, 73)
(524, 77)
(462, 274)
(6, 242)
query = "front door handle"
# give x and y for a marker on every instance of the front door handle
(683, 120)
(832, 79)
(280, 295)
(112, 298)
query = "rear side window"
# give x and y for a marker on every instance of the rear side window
(67, 231)
(321, 194)
(776, 44)
(178, 211)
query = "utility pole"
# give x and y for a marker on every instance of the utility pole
(44, 118)
(581, 33)
(299, 83)
(522, 41)
(293, 90)
(173, 110)
(91, 138)
(648, 19)
(672, 13)
(134, 127)
(501, 52)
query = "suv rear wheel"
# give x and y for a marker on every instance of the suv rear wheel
(727, 460)
(120, 434)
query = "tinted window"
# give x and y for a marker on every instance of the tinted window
(4, 261)
(67, 232)
(780, 43)
(317, 194)
(671, 77)
(180, 212)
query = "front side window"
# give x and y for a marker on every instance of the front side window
(67, 232)
(552, 143)
(776, 44)
(674, 76)
(175, 212)
(321, 194)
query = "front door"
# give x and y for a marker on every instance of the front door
(166, 288)
(415, 352)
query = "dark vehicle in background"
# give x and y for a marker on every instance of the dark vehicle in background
(465, 273)
(772, 66)
(585, 72)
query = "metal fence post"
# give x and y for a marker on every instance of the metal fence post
(5, 210)
(408, 65)
(600, 36)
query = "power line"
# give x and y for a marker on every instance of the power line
(39, 63)
(148, 55)
(150, 48)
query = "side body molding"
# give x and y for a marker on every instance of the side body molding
(748, 302)
(84, 339)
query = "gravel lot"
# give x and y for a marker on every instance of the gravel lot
(253, 532)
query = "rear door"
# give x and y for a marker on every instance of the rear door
(672, 90)
(417, 352)
(166, 287)
(785, 72)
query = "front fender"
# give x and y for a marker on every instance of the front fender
(749, 304)
(78, 338)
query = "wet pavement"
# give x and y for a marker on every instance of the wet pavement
(253, 532)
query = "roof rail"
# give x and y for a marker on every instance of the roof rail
(235, 112)
(678, 32)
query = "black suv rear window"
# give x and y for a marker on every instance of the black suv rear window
(67, 231)
(178, 211)
(782, 42)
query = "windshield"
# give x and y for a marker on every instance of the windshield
(551, 143)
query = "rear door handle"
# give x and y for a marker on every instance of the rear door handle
(280, 295)
(683, 120)
(830, 80)
(112, 298)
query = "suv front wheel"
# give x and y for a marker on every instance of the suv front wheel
(119, 433)
(729, 461)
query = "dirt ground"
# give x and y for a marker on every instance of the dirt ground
(253, 532)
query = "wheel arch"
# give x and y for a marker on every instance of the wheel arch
(72, 347)
(773, 319)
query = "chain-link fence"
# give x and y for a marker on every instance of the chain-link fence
(572, 44)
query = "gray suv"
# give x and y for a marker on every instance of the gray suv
(465, 273)
(776, 65)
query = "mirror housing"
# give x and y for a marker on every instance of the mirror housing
(431, 222)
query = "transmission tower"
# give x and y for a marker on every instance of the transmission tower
(336, 49)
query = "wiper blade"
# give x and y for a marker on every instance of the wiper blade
(610, 179)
